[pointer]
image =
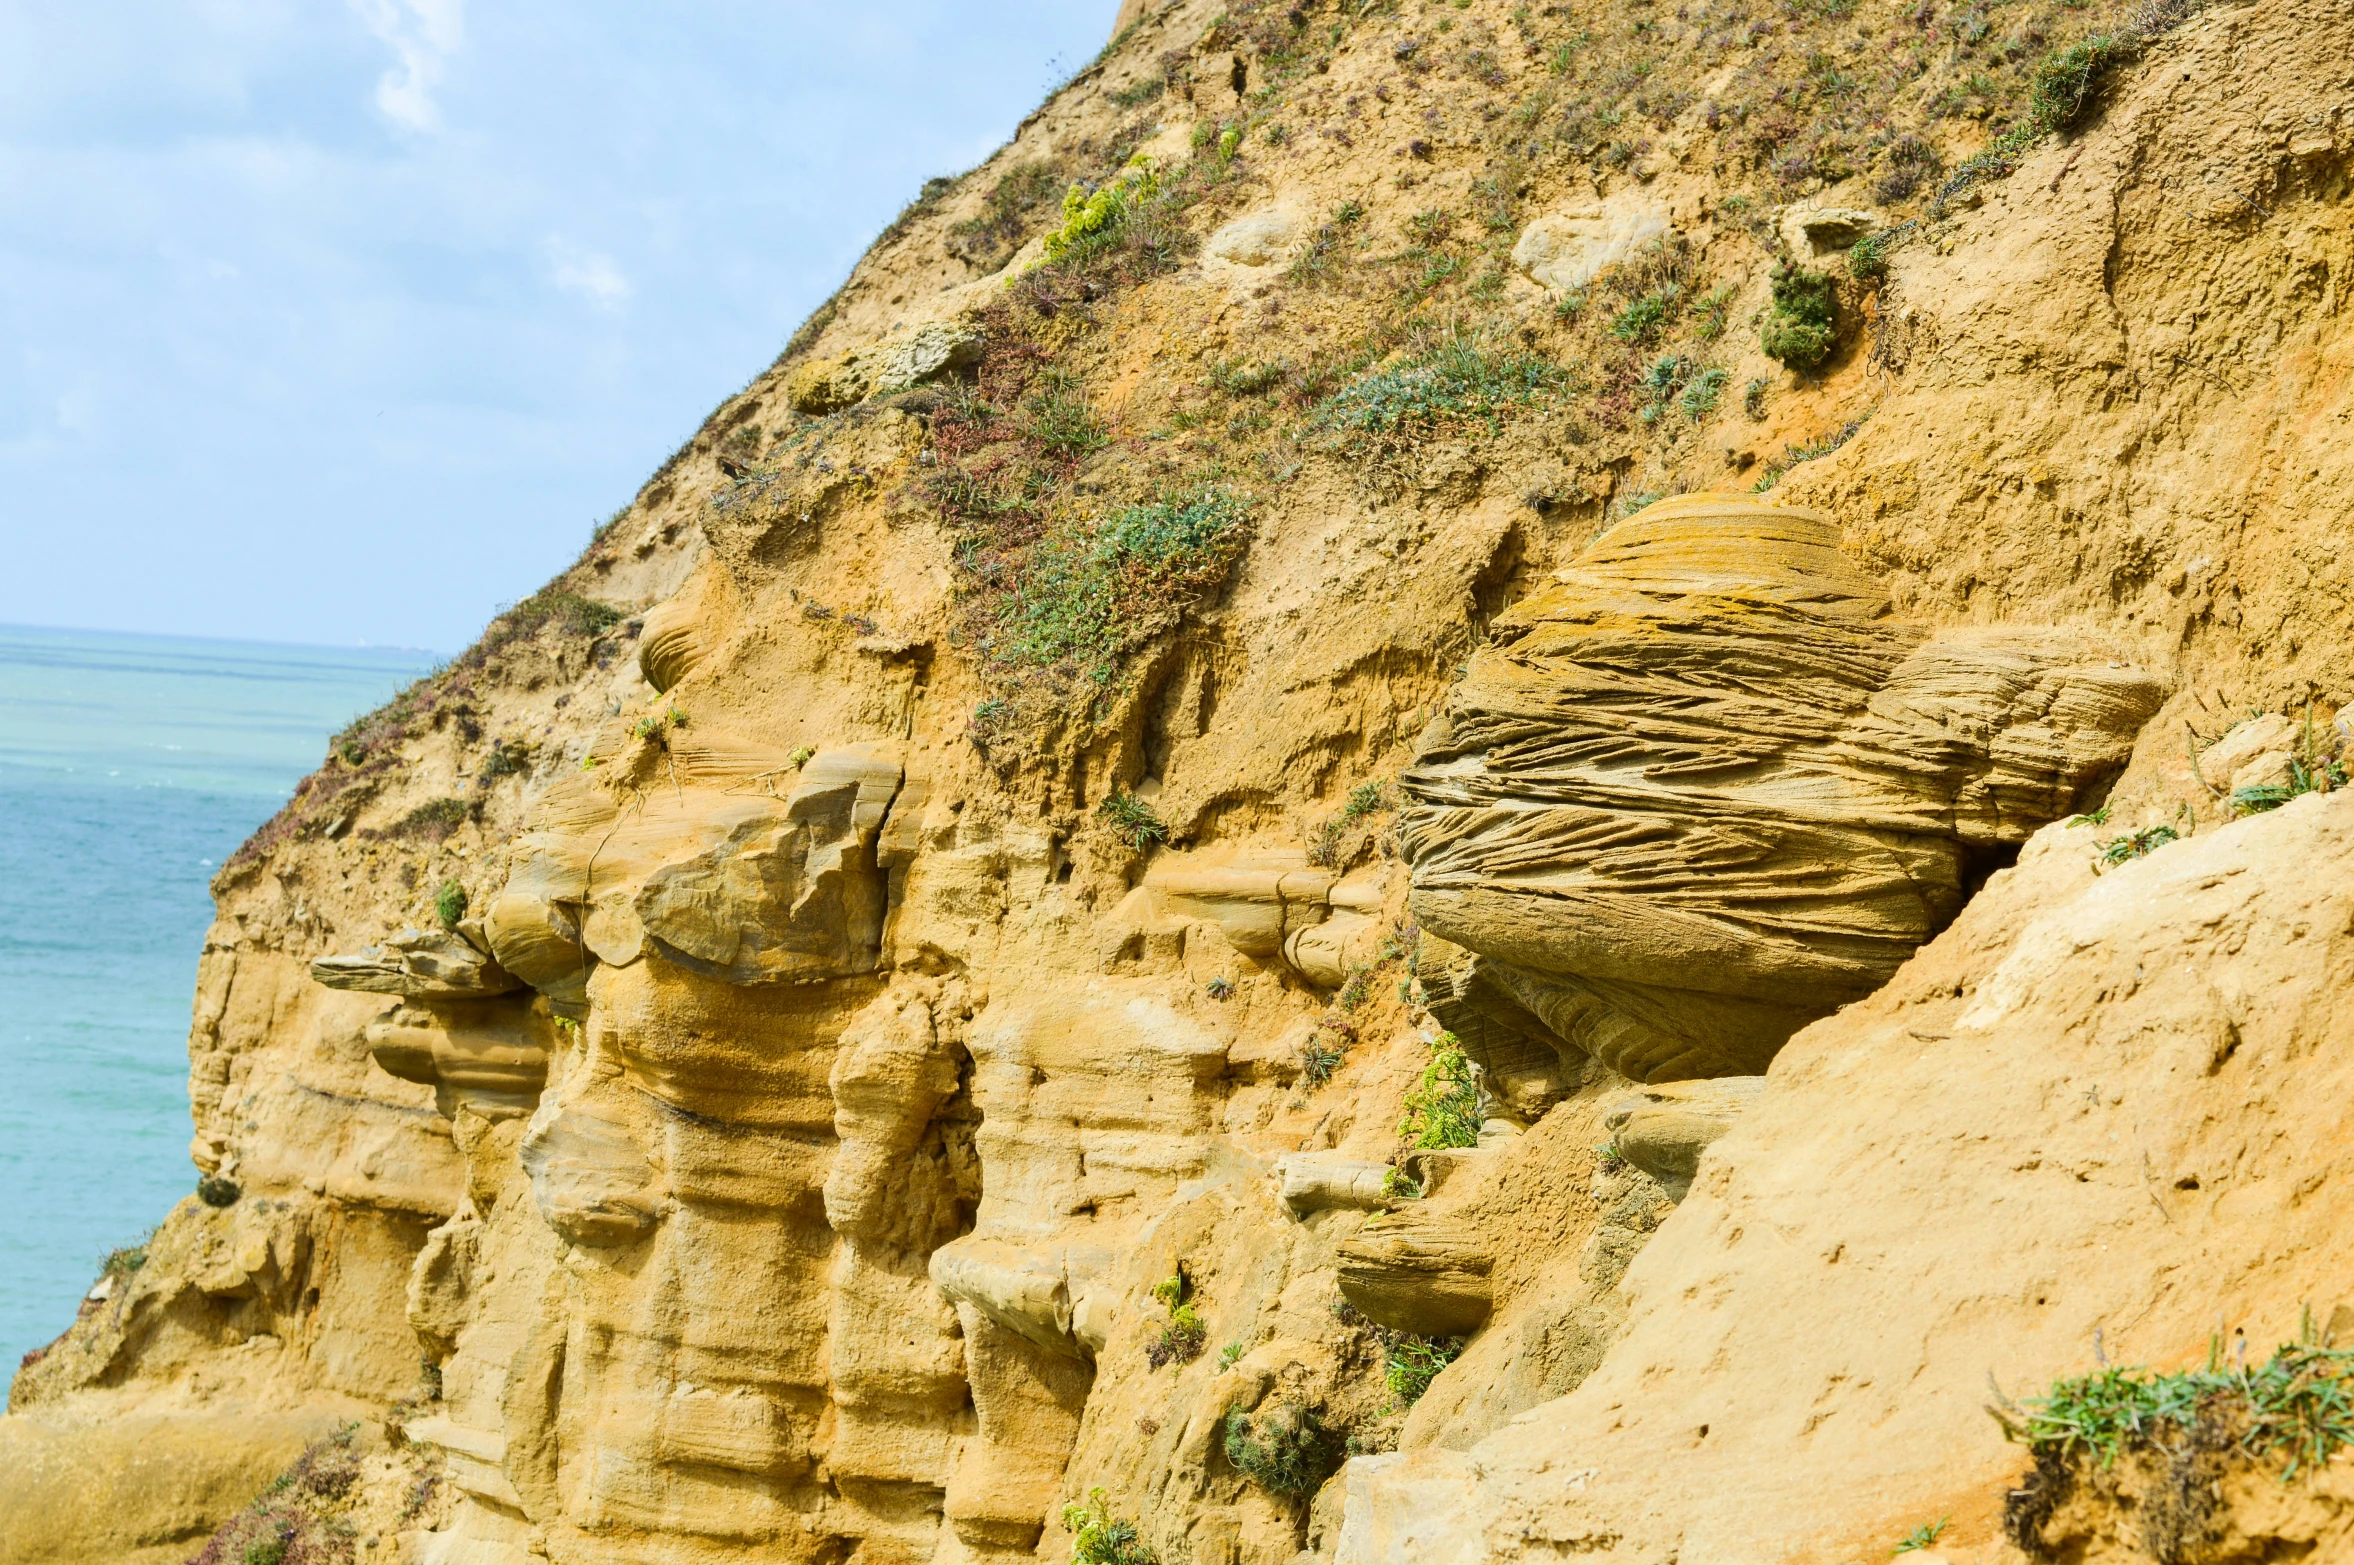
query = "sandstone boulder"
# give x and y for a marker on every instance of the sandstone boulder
(1812, 232)
(1706, 788)
(421, 964)
(1323, 1181)
(589, 1175)
(1419, 1270)
(1256, 238)
(899, 362)
(1664, 1129)
(1565, 250)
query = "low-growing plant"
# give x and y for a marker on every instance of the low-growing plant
(1921, 1537)
(1220, 988)
(1087, 217)
(1246, 377)
(1318, 1060)
(1458, 379)
(1793, 455)
(2298, 1405)
(449, 903)
(1411, 1363)
(1228, 1354)
(1023, 194)
(1700, 394)
(124, 1262)
(434, 820)
(1801, 328)
(1132, 820)
(1285, 1450)
(1708, 322)
(1753, 398)
(1867, 258)
(2136, 844)
(1182, 1338)
(300, 1518)
(1442, 1109)
(1642, 319)
(1100, 1538)
(218, 1190)
(506, 758)
(1087, 596)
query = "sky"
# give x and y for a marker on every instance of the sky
(345, 321)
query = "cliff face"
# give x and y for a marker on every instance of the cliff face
(1294, 840)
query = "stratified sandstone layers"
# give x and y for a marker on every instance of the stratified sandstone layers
(908, 985)
(1706, 788)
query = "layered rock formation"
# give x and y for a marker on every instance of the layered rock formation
(1707, 788)
(914, 983)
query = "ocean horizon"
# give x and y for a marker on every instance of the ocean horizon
(131, 766)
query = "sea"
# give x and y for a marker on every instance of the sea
(130, 767)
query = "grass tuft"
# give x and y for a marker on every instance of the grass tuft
(1411, 1363)
(1132, 821)
(1285, 1450)
(2299, 1405)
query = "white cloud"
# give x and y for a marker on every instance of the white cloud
(594, 277)
(423, 35)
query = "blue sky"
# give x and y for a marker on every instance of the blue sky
(344, 321)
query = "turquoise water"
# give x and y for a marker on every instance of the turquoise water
(130, 767)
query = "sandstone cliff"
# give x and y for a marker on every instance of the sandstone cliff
(1290, 838)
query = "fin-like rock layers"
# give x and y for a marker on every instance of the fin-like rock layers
(1706, 788)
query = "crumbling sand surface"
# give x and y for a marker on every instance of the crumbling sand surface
(954, 899)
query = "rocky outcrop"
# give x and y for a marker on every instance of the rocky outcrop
(974, 884)
(2112, 1088)
(1705, 788)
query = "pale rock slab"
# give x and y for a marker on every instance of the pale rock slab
(1569, 249)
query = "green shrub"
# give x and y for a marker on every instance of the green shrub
(1442, 1110)
(1228, 1354)
(1640, 321)
(1411, 1363)
(1365, 799)
(218, 1190)
(1063, 425)
(1459, 379)
(2067, 82)
(1700, 395)
(1806, 452)
(125, 1262)
(433, 820)
(1100, 1538)
(562, 608)
(1132, 820)
(2137, 845)
(507, 758)
(1087, 217)
(1801, 329)
(1087, 596)
(1286, 1451)
(2300, 1404)
(1867, 258)
(449, 904)
(1182, 1339)
(1318, 1060)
